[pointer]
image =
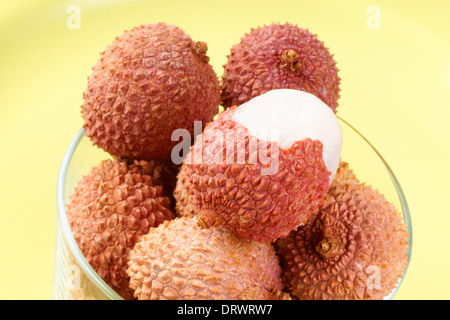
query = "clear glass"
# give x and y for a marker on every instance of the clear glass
(75, 279)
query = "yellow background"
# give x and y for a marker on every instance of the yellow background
(395, 90)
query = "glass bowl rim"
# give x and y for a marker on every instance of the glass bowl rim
(64, 223)
(87, 268)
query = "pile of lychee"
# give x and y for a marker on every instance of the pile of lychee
(252, 202)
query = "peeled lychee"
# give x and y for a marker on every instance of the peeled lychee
(279, 56)
(263, 168)
(110, 209)
(354, 247)
(179, 260)
(150, 81)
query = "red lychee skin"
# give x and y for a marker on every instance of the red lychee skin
(251, 205)
(354, 248)
(262, 62)
(183, 201)
(179, 260)
(344, 173)
(165, 173)
(150, 81)
(110, 209)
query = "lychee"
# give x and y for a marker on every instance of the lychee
(279, 56)
(345, 173)
(150, 81)
(109, 210)
(185, 206)
(261, 169)
(165, 173)
(354, 247)
(183, 202)
(179, 260)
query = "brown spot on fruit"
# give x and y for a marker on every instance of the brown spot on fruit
(290, 59)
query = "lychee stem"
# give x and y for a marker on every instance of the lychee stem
(201, 224)
(201, 48)
(327, 247)
(289, 58)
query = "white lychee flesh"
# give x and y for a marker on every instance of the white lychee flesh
(287, 116)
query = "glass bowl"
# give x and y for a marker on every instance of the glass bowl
(74, 278)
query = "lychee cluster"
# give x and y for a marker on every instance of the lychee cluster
(262, 206)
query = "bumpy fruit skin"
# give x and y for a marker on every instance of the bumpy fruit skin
(110, 209)
(150, 81)
(235, 194)
(183, 202)
(185, 207)
(345, 173)
(354, 248)
(279, 56)
(179, 260)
